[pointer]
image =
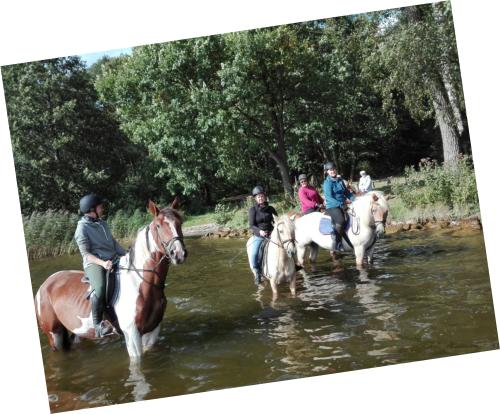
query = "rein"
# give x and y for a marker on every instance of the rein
(166, 246)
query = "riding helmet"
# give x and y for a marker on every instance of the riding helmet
(302, 177)
(330, 166)
(89, 202)
(257, 190)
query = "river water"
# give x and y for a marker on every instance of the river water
(427, 295)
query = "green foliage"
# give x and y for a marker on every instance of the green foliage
(64, 144)
(50, 233)
(211, 117)
(434, 184)
(223, 213)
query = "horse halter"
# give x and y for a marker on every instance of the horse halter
(168, 243)
(282, 242)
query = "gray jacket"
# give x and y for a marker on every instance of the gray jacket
(93, 236)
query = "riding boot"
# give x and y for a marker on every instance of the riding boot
(101, 328)
(339, 247)
(257, 277)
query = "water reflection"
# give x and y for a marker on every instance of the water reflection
(136, 379)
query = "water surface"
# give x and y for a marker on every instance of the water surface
(427, 295)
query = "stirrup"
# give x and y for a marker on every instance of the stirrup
(257, 278)
(102, 329)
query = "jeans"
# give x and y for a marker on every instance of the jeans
(256, 241)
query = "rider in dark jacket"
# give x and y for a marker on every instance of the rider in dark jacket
(260, 220)
(337, 197)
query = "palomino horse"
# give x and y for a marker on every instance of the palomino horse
(367, 214)
(64, 313)
(278, 264)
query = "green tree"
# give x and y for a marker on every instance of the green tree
(417, 55)
(64, 143)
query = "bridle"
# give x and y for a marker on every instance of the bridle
(282, 243)
(166, 244)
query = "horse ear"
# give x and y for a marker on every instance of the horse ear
(292, 217)
(275, 218)
(374, 197)
(153, 208)
(176, 203)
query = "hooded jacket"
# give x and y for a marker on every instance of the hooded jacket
(336, 192)
(93, 236)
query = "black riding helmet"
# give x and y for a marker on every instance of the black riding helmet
(330, 166)
(257, 190)
(89, 202)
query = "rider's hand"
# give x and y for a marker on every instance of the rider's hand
(263, 233)
(108, 264)
(348, 201)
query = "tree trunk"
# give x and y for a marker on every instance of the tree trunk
(449, 134)
(285, 176)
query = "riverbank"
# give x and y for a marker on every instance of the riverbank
(469, 223)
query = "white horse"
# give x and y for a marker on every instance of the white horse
(367, 215)
(278, 264)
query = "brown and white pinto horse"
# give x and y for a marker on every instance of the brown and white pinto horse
(64, 313)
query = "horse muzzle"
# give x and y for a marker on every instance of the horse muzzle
(177, 252)
(380, 230)
(291, 250)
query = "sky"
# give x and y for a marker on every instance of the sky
(91, 58)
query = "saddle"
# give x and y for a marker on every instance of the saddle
(112, 290)
(326, 225)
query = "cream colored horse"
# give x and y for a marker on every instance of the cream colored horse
(278, 264)
(368, 214)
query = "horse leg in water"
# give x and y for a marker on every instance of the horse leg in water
(359, 251)
(133, 341)
(313, 254)
(59, 337)
(369, 255)
(274, 287)
(301, 252)
(292, 284)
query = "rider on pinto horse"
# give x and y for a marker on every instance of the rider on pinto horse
(98, 249)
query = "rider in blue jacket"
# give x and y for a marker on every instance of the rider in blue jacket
(337, 197)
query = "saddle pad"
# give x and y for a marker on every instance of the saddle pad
(325, 225)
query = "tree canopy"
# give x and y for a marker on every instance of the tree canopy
(211, 117)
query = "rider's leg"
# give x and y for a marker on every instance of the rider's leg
(97, 277)
(338, 220)
(256, 269)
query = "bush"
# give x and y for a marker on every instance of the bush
(223, 213)
(434, 184)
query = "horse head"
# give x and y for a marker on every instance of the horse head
(379, 210)
(167, 231)
(285, 234)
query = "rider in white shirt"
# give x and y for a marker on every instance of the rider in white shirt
(365, 182)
